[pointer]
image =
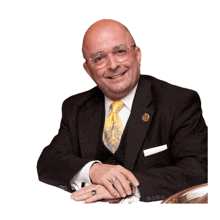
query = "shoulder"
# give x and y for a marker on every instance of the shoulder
(81, 98)
(169, 93)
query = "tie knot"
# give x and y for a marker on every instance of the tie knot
(116, 106)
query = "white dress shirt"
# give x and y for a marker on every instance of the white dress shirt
(124, 113)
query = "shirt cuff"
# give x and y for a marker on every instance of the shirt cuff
(82, 176)
(137, 193)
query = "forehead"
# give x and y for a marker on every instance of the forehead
(106, 38)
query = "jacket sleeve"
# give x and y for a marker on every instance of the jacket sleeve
(188, 150)
(60, 161)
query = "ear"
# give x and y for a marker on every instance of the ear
(87, 69)
(138, 54)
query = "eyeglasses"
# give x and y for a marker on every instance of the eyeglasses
(120, 54)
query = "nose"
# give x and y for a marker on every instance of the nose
(112, 62)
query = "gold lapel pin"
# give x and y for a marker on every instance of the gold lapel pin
(145, 117)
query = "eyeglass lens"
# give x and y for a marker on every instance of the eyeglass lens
(119, 53)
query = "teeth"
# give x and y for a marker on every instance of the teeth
(116, 76)
(113, 77)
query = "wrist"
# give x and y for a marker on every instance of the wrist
(92, 169)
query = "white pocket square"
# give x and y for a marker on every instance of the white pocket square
(154, 150)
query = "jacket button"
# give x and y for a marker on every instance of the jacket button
(157, 197)
(148, 198)
(162, 197)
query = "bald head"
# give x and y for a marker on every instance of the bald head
(103, 31)
(117, 77)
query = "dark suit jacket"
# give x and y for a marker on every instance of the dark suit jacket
(175, 120)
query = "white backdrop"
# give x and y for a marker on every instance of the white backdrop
(41, 65)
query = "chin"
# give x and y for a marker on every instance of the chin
(117, 93)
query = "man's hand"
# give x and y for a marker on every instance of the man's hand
(102, 174)
(85, 194)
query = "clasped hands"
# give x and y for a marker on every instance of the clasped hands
(100, 175)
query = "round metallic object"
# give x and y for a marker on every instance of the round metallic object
(196, 194)
(112, 180)
(93, 192)
(145, 117)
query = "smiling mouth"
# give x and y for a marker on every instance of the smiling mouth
(113, 77)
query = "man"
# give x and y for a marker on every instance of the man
(131, 132)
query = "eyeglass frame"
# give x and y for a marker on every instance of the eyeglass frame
(91, 59)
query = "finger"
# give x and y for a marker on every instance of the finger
(129, 175)
(82, 191)
(103, 193)
(123, 183)
(119, 188)
(93, 198)
(78, 193)
(110, 188)
(83, 197)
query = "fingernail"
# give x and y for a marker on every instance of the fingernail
(136, 183)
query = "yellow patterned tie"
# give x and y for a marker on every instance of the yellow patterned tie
(113, 128)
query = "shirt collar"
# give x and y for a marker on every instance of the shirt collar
(127, 100)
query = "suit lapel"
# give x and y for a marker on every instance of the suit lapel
(137, 127)
(90, 117)
(91, 122)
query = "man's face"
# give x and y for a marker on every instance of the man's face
(117, 78)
